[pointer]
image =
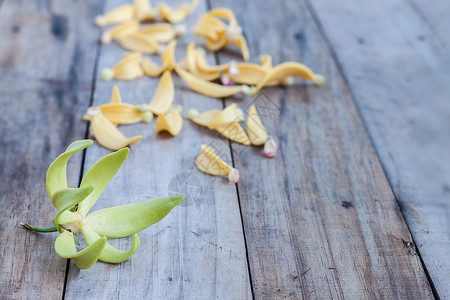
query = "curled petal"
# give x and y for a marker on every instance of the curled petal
(171, 122)
(125, 220)
(56, 174)
(164, 95)
(69, 197)
(107, 134)
(86, 258)
(207, 88)
(284, 70)
(205, 118)
(109, 254)
(229, 114)
(99, 175)
(116, 15)
(139, 42)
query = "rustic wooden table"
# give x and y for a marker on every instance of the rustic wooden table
(356, 204)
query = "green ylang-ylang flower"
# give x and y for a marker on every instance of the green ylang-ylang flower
(73, 205)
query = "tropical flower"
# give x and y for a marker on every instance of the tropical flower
(73, 205)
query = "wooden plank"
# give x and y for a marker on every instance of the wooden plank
(47, 56)
(197, 251)
(320, 220)
(433, 15)
(398, 69)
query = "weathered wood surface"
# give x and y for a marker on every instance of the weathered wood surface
(198, 250)
(47, 56)
(397, 66)
(320, 219)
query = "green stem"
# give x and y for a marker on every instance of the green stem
(39, 229)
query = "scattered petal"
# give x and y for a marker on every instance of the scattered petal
(171, 122)
(164, 95)
(116, 15)
(255, 129)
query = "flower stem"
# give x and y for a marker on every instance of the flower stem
(38, 229)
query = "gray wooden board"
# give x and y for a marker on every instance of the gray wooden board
(47, 55)
(397, 65)
(320, 219)
(198, 250)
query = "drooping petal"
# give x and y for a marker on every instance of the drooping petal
(69, 197)
(107, 134)
(56, 174)
(121, 221)
(164, 95)
(171, 122)
(86, 258)
(109, 254)
(99, 175)
(229, 114)
(207, 88)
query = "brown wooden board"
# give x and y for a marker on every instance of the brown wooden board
(320, 219)
(47, 57)
(397, 66)
(198, 250)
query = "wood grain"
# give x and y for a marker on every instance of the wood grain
(47, 56)
(397, 65)
(321, 221)
(198, 250)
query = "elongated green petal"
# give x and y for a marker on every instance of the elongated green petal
(86, 258)
(56, 174)
(68, 197)
(121, 221)
(110, 254)
(99, 175)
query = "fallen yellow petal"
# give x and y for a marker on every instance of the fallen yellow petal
(116, 15)
(266, 61)
(127, 69)
(205, 119)
(163, 32)
(255, 129)
(207, 88)
(177, 15)
(116, 98)
(208, 162)
(164, 95)
(168, 62)
(191, 63)
(229, 114)
(144, 11)
(116, 111)
(203, 65)
(108, 135)
(223, 13)
(242, 45)
(171, 122)
(284, 70)
(119, 31)
(139, 42)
